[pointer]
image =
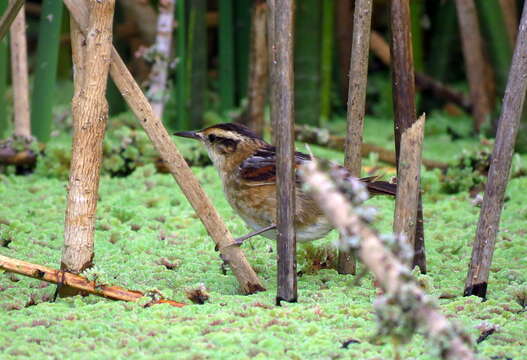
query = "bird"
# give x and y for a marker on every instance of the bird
(246, 164)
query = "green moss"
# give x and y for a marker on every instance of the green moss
(144, 219)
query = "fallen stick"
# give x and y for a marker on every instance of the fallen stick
(322, 137)
(9, 15)
(400, 286)
(77, 282)
(187, 181)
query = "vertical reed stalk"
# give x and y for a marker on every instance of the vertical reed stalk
(43, 97)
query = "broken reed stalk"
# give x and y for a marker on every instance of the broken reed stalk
(358, 79)
(258, 69)
(424, 82)
(474, 60)
(9, 16)
(45, 74)
(393, 277)
(488, 225)
(19, 75)
(403, 84)
(79, 283)
(408, 175)
(322, 137)
(510, 16)
(158, 75)
(282, 115)
(91, 58)
(175, 163)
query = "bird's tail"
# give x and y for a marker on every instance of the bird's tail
(379, 187)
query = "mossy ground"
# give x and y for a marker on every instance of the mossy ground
(144, 218)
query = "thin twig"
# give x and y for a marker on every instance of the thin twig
(9, 16)
(76, 282)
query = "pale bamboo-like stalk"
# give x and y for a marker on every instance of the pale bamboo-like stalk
(175, 163)
(358, 79)
(19, 74)
(390, 273)
(91, 57)
(76, 282)
(159, 73)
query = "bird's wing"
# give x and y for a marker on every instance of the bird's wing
(260, 168)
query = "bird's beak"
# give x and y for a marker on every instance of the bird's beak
(188, 134)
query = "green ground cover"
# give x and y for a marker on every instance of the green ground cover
(144, 220)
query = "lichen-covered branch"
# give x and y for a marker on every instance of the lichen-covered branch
(400, 288)
(77, 282)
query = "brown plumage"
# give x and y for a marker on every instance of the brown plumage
(247, 167)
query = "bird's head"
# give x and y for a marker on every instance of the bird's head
(227, 143)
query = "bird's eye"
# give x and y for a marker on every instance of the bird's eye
(212, 138)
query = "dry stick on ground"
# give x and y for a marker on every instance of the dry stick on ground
(508, 124)
(282, 96)
(158, 75)
(358, 79)
(408, 174)
(381, 49)
(184, 176)
(19, 74)
(404, 104)
(322, 137)
(391, 274)
(9, 16)
(77, 282)
(474, 60)
(259, 67)
(91, 57)
(510, 15)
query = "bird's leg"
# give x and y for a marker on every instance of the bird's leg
(240, 240)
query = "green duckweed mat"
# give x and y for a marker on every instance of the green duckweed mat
(144, 221)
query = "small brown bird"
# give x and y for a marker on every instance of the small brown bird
(247, 167)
